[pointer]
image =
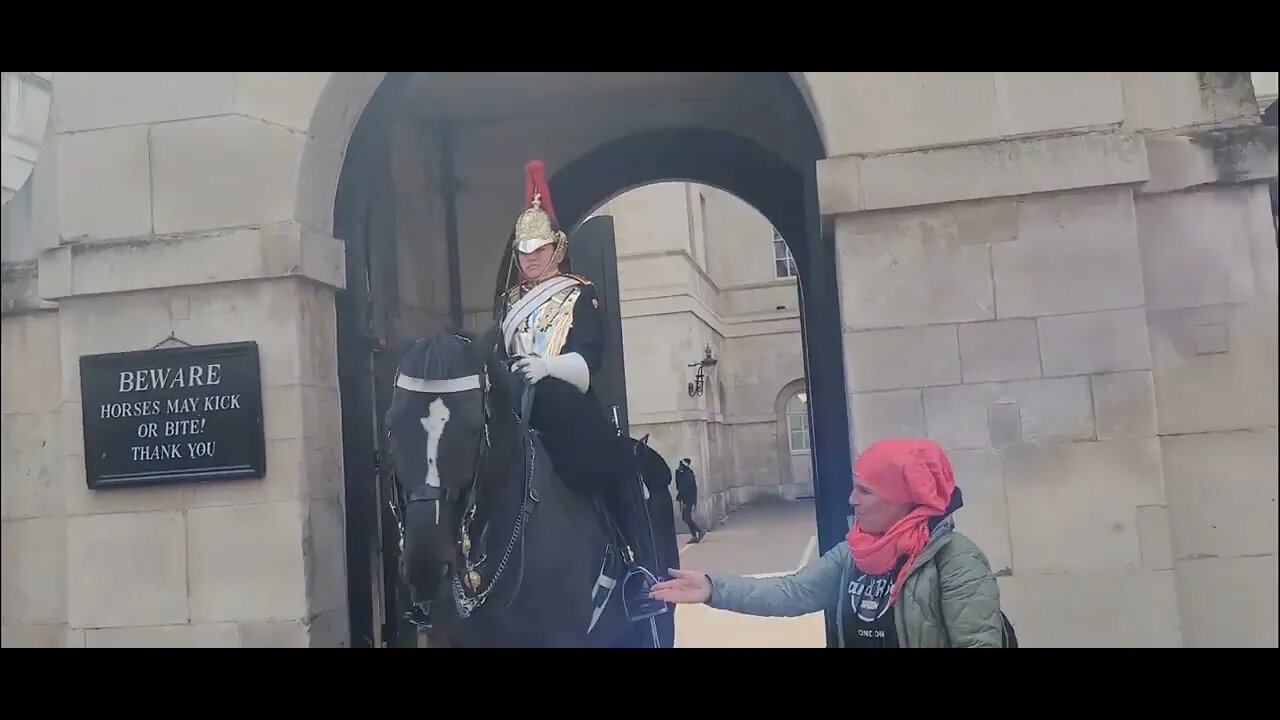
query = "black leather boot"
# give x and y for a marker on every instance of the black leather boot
(628, 507)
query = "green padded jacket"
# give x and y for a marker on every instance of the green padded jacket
(949, 598)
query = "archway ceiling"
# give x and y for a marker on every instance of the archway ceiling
(573, 113)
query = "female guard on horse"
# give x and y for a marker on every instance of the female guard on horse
(521, 527)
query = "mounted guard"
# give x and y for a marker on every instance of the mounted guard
(550, 319)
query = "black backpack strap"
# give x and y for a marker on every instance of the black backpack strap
(1010, 637)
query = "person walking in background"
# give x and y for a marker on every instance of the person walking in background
(903, 577)
(687, 494)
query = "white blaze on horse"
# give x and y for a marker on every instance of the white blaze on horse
(437, 417)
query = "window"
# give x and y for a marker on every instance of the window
(784, 266)
(798, 423)
(26, 107)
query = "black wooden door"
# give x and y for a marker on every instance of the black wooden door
(356, 387)
(593, 254)
(367, 313)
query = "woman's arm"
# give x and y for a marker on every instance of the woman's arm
(811, 589)
(970, 597)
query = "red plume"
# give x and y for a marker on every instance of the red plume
(535, 179)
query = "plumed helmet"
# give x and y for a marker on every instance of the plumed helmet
(537, 226)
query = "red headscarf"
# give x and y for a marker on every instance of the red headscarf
(903, 470)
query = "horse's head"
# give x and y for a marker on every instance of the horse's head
(447, 389)
(438, 419)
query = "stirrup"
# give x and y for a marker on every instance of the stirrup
(635, 595)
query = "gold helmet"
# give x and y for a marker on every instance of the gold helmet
(536, 227)
(537, 224)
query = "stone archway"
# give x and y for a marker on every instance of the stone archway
(339, 100)
(770, 162)
(741, 167)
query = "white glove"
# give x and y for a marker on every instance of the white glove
(571, 368)
(534, 369)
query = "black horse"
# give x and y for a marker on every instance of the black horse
(496, 549)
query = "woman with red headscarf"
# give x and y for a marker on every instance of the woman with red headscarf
(904, 577)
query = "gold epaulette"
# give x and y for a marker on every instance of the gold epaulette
(579, 278)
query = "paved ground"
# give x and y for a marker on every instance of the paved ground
(762, 539)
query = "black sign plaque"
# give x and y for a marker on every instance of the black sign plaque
(176, 415)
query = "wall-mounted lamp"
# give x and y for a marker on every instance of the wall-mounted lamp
(698, 386)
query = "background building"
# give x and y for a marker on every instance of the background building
(699, 268)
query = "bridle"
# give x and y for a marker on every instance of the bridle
(451, 386)
(467, 589)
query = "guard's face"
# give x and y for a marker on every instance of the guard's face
(535, 264)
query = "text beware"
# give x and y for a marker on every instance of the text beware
(170, 378)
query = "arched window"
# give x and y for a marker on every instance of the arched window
(784, 266)
(795, 457)
(798, 423)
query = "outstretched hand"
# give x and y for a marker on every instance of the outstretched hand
(685, 586)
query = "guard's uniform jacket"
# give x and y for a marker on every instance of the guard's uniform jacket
(565, 318)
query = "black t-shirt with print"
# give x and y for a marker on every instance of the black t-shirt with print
(866, 611)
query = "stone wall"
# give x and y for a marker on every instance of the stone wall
(1209, 259)
(33, 514)
(1099, 361)
(175, 214)
(233, 564)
